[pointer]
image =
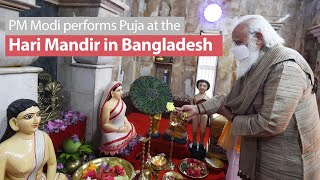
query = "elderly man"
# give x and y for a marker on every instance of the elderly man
(272, 106)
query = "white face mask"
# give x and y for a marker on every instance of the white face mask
(240, 52)
(245, 64)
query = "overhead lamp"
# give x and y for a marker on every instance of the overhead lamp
(212, 12)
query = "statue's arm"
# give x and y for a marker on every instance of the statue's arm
(52, 161)
(127, 125)
(3, 161)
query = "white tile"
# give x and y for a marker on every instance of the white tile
(83, 80)
(102, 78)
(84, 103)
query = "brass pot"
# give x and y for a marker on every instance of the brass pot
(72, 165)
(97, 162)
(158, 163)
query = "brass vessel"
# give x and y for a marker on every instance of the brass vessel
(125, 164)
(158, 163)
(155, 119)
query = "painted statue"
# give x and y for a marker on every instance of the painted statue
(24, 149)
(199, 120)
(117, 131)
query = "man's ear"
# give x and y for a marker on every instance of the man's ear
(259, 38)
(13, 124)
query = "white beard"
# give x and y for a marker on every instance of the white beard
(245, 65)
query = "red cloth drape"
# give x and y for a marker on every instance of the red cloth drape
(78, 129)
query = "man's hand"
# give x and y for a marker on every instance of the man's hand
(191, 110)
(225, 111)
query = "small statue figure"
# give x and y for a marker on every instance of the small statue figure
(49, 98)
(117, 131)
(203, 86)
(24, 149)
(178, 130)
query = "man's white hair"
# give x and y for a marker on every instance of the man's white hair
(257, 23)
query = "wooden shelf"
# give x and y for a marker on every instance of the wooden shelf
(164, 63)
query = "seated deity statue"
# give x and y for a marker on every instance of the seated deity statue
(177, 128)
(24, 149)
(116, 130)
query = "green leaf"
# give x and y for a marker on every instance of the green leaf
(61, 160)
(85, 146)
(68, 156)
(64, 170)
(76, 156)
(87, 151)
(62, 155)
(184, 166)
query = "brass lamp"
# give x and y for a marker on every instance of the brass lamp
(155, 122)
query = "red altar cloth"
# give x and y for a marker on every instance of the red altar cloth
(78, 129)
(133, 154)
(160, 145)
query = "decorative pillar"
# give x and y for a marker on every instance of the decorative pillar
(85, 78)
(16, 78)
(85, 92)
